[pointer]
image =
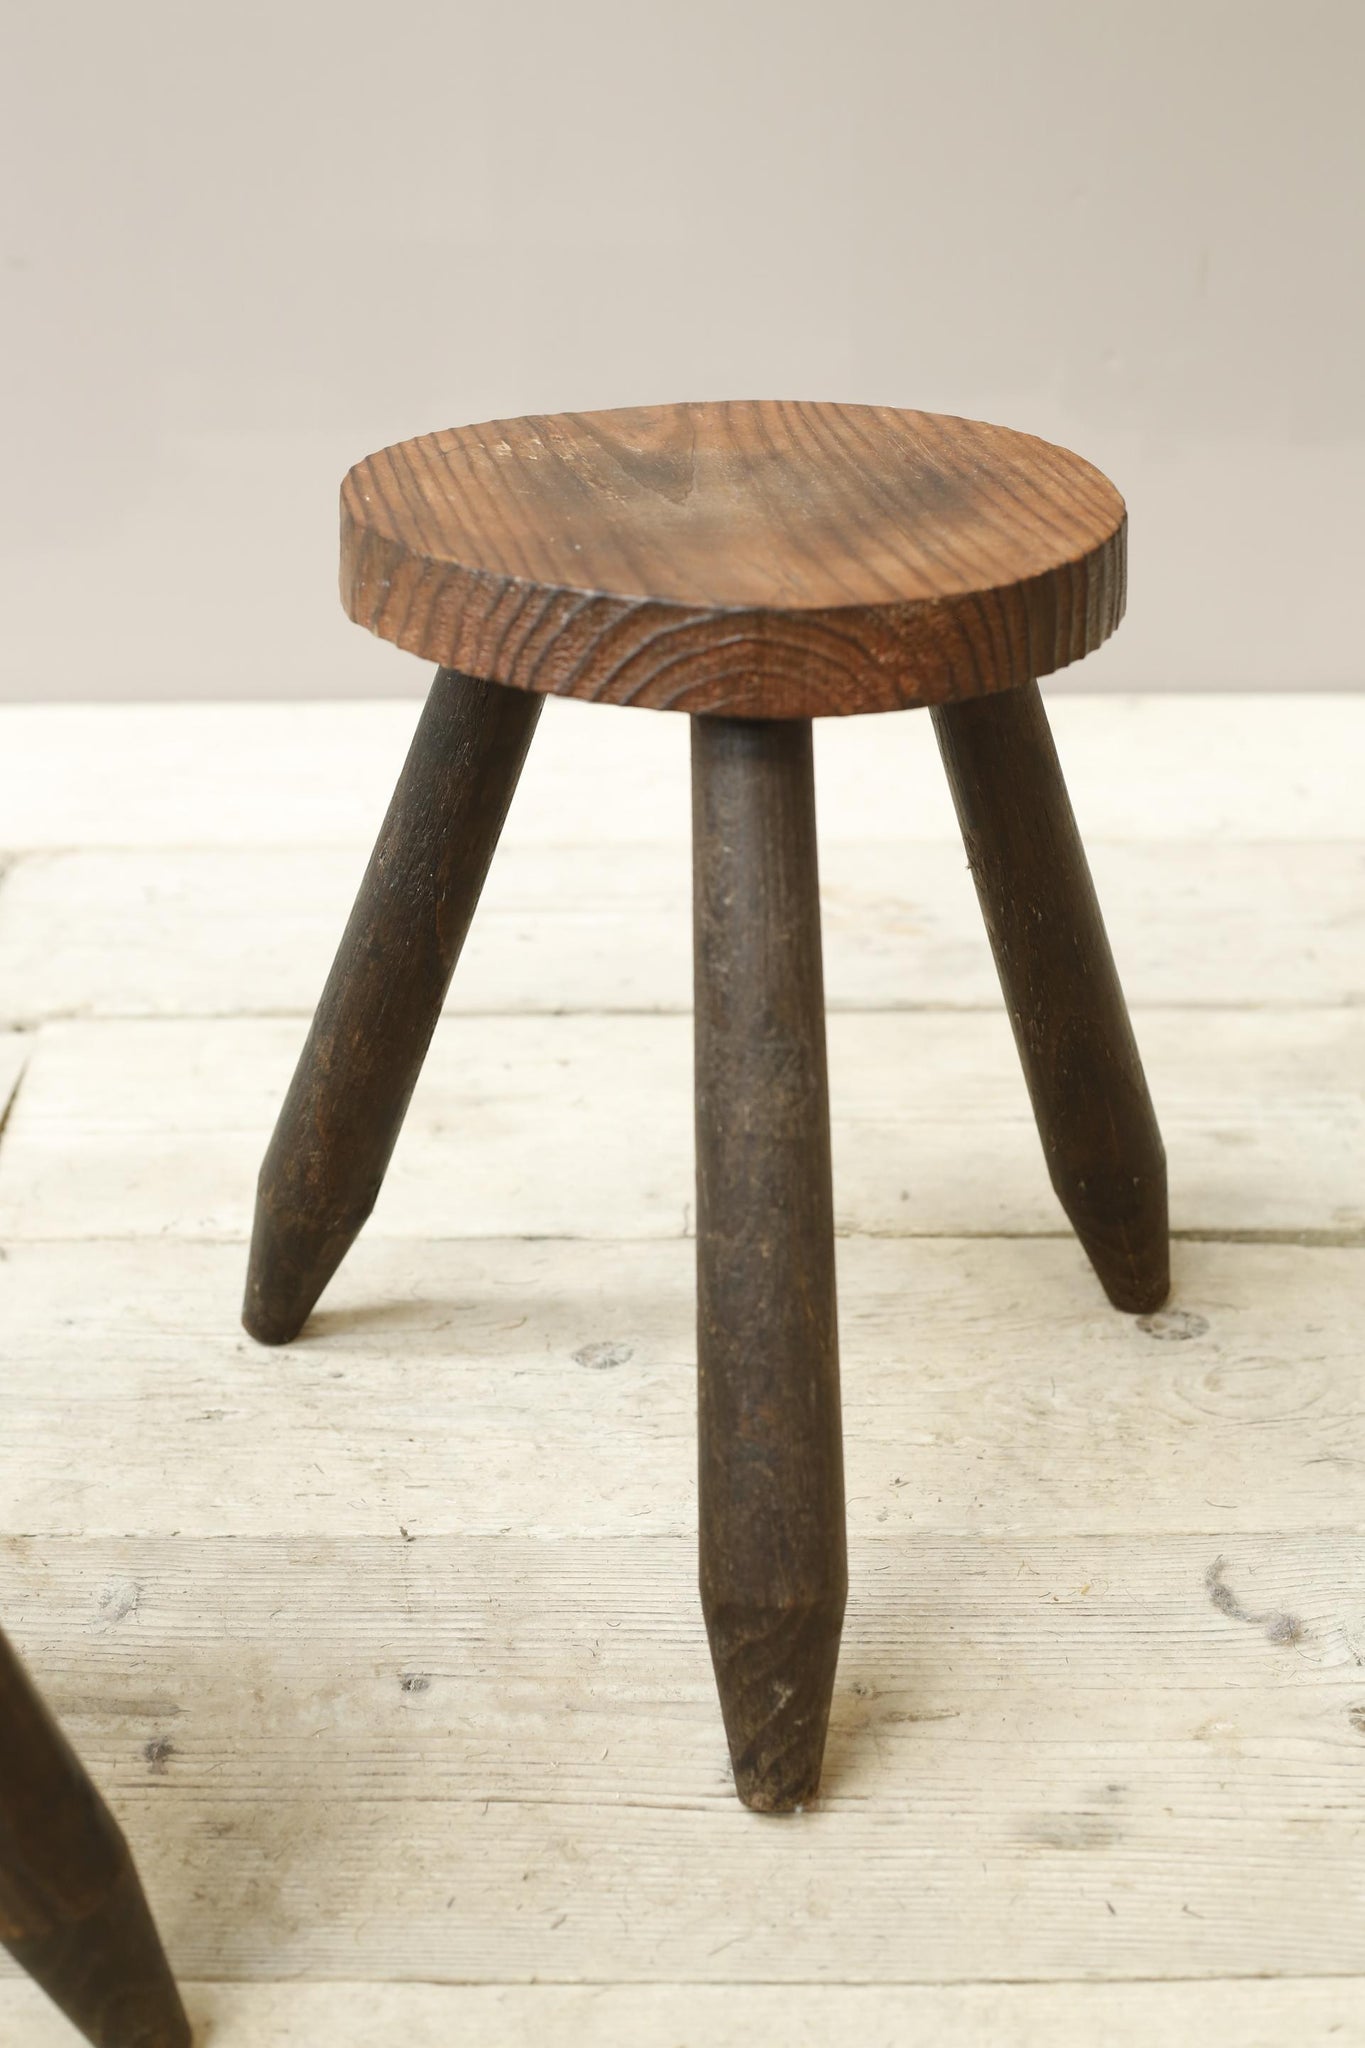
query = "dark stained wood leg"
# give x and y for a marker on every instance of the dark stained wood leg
(1095, 1117)
(774, 1570)
(72, 1912)
(360, 1064)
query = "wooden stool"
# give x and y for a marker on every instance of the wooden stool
(756, 566)
(72, 1911)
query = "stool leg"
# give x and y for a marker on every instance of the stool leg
(774, 1570)
(1095, 1117)
(360, 1064)
(72, 1912)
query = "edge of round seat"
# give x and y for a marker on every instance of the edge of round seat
(722, 659)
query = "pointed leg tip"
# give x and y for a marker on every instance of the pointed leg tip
(1132, 1260)
(289, 1266)
(263, 1321)
(272, 1309)
(1139, 1294)
(775, 1673)
(175, 2029)
(166, 2026)
(149, 2016)
(109, 1974)
(1137, 1280)
(788, 1788)
(777, 1736)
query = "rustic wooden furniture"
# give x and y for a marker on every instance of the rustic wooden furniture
(72, 1911)
(756, 566)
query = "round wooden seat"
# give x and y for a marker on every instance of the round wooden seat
(762, 560)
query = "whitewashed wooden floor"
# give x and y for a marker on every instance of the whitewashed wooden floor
(386, 1647)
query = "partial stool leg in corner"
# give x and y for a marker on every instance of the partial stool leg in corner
(72, 1912)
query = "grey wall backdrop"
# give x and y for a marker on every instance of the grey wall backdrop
(244, 245)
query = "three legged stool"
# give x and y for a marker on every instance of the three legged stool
(756, 566)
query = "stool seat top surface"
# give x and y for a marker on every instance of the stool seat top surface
(756, 559)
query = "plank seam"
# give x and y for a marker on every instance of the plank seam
(834, 1006)
(7, 1106)
(1306, 1240)
(540, 1982)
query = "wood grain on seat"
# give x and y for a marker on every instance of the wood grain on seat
(771, 560)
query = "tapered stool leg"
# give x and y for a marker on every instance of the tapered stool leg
(774, 1571)
(72, 1912)
(1095, 1117)
(356, 1074)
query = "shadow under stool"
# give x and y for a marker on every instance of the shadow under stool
(756, 566)
(72, 1912)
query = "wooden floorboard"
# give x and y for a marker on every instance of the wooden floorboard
(1307, 2012)
(165, 933)
(550, 1387)
(1138, 768)
(581, 1126)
